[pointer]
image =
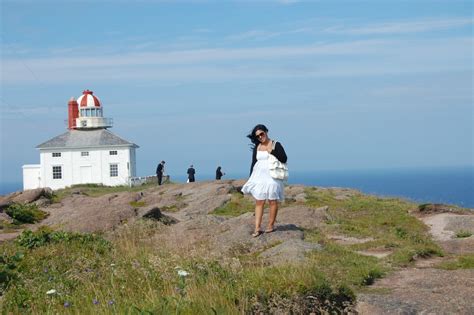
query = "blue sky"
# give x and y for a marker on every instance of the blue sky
(342, 84)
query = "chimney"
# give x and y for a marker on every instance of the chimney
(73, 113)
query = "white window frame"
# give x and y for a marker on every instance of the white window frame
(85, 153)
(56, 154)
(113, 152)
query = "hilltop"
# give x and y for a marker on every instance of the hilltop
(334, 250)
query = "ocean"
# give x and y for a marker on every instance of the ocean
(453, 185)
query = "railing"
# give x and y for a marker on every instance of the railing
(142, 180)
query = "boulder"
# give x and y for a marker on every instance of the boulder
(155, 214)
(31, 195)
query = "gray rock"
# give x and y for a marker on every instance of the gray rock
(155, 214)
(29, 196)
(290, 251)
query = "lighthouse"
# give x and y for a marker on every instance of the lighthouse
(86, 153)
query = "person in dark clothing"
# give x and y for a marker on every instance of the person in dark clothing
(159, 171)
(219, 173)
(191, 172)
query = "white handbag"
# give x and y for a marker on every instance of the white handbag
(278, 170)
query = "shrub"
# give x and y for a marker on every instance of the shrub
(462, 234)
(8, 264)
(25, 213)
(45, 235)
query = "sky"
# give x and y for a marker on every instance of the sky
(342, 85)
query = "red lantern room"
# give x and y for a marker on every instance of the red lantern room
(88, 99)
(86, 112)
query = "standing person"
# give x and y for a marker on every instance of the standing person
(191, 172)
(159, 171)
(260, 184)
(219, 173)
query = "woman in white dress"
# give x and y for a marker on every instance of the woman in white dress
(260, 184)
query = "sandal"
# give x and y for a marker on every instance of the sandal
(257, 233)
(270, 230)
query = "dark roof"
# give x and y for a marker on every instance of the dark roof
(85, 138)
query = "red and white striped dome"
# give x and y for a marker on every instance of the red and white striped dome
(88, 100)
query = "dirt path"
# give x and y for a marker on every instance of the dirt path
(423, 289)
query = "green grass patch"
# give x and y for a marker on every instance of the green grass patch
(461, 262)
(7, 227)
(137, 204)
(345, 267)
(95, 190)
(463, 234)
(171, 208)
(25, 213)
(130, 275)
(386, 220)
(237, 205)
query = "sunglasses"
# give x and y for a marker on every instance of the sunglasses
(260, 135)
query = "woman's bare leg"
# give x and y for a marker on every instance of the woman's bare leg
(258, 213)
(273, 214)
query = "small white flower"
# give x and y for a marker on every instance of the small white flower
(51, 292)
(183, 273)
(112, 265)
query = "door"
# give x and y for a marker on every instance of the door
(86, 174)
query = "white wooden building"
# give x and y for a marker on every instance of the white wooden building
(86, 153)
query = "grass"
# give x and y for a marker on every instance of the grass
(461, 262)
(343, 265)
(237, 205)
(130, 274)
(463, 234)
(137, 204)
(95, 190)
(7, 227)
(171, 208)
(386, 220)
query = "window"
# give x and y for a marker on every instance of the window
(84, 153)
(112, 152)
(57, 172)
(113, 170)
(56, 154)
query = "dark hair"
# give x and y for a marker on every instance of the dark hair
(218, 168)
(252, 135)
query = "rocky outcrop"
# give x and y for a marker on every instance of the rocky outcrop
(27, 196)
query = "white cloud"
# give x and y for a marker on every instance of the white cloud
(261, 35)
(402, 27)
(350, 58)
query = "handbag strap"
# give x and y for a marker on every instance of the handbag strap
(273, 145)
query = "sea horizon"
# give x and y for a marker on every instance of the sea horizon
(447, 185)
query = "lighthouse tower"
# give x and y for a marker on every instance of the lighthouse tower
(86, 113)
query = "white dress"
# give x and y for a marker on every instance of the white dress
(260, 184)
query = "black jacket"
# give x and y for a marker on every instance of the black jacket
(278, 152)
(159, 169)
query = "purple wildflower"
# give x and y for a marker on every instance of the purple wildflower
(45, 270)
(111, 302)
(67, 304)
(95, 301)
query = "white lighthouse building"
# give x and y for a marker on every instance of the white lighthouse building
(86, 153)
